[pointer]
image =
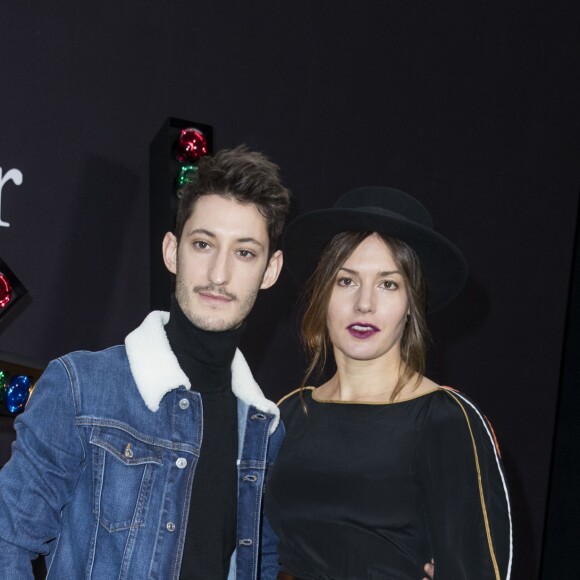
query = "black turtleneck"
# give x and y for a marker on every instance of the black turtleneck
(206, 359)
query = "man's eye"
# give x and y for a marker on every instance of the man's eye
(201, 245)
(246, 253)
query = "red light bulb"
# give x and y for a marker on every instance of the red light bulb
(5, 291)
(191, 145)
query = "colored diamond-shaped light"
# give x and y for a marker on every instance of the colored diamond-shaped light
(191, 145)
(186, 174)
(3, 382)
(17, 393)
(5, 290)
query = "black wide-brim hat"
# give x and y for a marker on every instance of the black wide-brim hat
(383, 210)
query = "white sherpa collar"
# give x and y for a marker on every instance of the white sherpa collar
(156, 370)
(247, 390)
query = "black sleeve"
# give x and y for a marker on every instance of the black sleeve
(465, 493)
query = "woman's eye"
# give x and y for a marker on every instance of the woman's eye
(345, 281)
(390, 285)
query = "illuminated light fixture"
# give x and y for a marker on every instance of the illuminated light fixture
(191, 145)
(18, 378)
(3, 383)
(17, 393)
(11, 289)
(185, 175)
(174, 156)
(5, 290)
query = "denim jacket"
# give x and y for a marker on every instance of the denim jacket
(102, 468)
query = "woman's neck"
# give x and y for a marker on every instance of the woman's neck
(371, 381)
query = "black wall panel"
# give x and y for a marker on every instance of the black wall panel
(560, 553)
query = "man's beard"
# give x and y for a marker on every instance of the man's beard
(212, 322)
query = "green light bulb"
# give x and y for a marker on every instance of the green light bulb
(3, 383)
(186, 174)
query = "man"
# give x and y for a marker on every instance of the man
(147, 460)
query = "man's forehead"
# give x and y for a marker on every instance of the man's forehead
(224, 215)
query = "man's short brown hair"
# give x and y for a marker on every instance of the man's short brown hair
(245, 176)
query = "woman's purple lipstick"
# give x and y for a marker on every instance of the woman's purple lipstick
(362, 330)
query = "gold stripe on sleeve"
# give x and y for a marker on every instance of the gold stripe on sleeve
(480, 484)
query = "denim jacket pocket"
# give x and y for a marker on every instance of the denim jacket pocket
(124, 468)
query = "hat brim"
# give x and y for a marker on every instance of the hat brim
(443, 265)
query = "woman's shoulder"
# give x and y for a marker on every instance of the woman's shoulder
(451, 404)
(295, 397)
(292, 406)
(454, 410)
(456, 402)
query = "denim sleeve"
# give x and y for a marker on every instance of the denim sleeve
(39, 479)
(270, 563)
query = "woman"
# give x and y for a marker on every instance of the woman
(382, 469)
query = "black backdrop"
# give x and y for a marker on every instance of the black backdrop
(471, 107)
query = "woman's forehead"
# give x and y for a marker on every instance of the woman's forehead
(373, 250)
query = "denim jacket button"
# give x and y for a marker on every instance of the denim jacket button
(184, 404)
(259, 416)
(246, 542)
(181, 462)
(170, 527)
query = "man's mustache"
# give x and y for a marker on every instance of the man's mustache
(211, 289)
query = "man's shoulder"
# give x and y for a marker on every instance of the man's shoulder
(92, 378)
(149, 329)
(106, 356)
(87, 371)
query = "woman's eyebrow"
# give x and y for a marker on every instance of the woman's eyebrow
(385, 273)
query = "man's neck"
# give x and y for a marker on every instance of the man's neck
(205, 356)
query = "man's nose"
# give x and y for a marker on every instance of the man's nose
(219, 271)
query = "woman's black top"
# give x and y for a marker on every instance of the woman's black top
(374, 491)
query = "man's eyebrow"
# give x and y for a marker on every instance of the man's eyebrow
(202, 231)
(250, 241)
(380, 274)
(209, 234)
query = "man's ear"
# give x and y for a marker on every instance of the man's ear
(272, 270)
(170, 252)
